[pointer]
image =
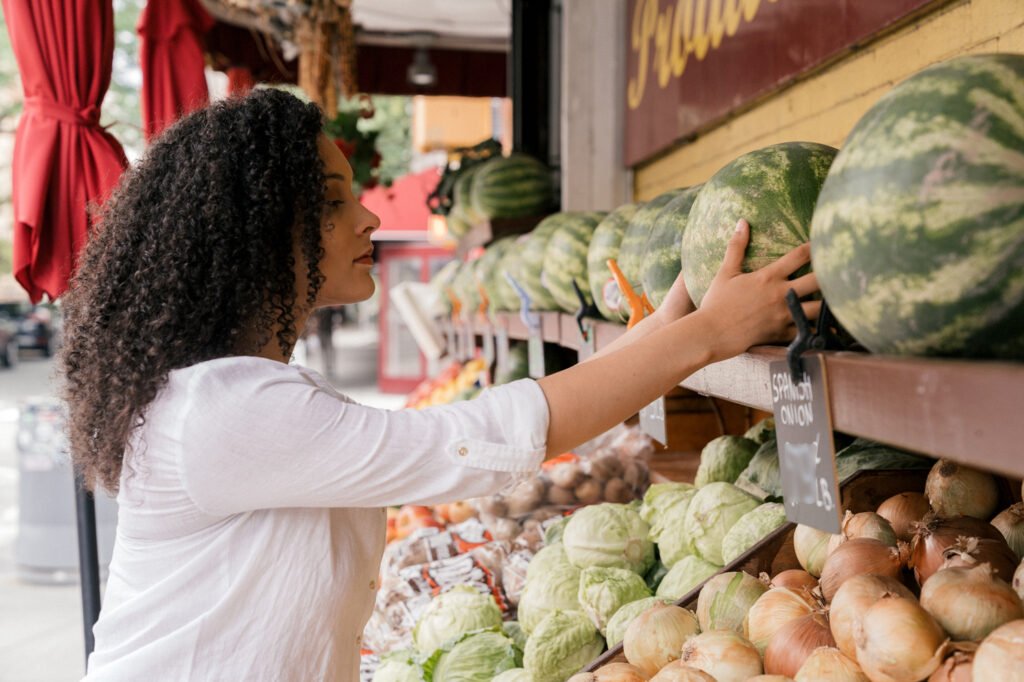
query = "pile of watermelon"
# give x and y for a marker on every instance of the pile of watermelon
(917, 225)
(512, 186)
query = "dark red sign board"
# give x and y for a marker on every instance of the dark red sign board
(692, 62)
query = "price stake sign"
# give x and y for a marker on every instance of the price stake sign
(652, 421)
(535, 353)
(587, 340)
(807, 453)
(501, 351)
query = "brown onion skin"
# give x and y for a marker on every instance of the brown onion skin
(795, 579)
(843, 563)
(934, 534)
(947, 476)
(794, 642)
(994, 552)
(902, 511)
(956, 668)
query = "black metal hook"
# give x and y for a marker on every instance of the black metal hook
(822, 337)
(586, 309)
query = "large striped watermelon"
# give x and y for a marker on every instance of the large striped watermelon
(774, 189)
(603, 246)
(662, 256)
(918, 239)
(462, 194)
(565, 259)
(512, 187)
(504, 297)
(532, 262)
(489, 272)
(634, 242)
(465, 287)
(442, 280)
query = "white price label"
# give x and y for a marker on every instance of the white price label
(652, 421)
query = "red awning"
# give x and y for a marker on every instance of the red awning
(171, 55)
(63, 160)
(402, 208)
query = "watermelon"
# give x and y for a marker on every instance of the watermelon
(458, 224)
(504, 297)
(462, 197)
(442, 280)
(565, 259)
(465, 287)
(774, 189)
(634, 242)
(918, 238)
(532, 263)
(605, 245)
(512, 187)
(662, 256)
(489, 272)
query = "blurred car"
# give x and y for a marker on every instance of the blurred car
(8, 341)
(36, 331)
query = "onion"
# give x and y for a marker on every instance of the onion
(934, 534)
(969, 603)
(811, 547)
(861, 556)
(677, 671)
(1010, 522)
(656, 636)
(1001, 656)
(956, 490)
(852, 599)
(770, 678)
(863, 525)
(613, 672)
(902, 511)
(794, 642)
(795, 579)
(826, 664)
(1018, 580)
(724, 655)
(725, 600)
(898, 641)
(969, 552)
(771, 611)
(958, 665)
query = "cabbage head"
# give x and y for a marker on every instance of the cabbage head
(673, 543)
(685, 576)
(664, 502)
(610, 535)
(603, 591)
(514, 631)
(399, 666)
(545, 559)
(514, 675)
(751, 528)
(762, 477)
(615, 632)
(713, 511)
(556, 588)
(724, 459)
(762, 431)
(560, 646)
(478, 657)
(450, 615)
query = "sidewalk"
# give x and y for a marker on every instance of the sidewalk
(41, 636)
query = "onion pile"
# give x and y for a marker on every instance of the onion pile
(1001, 656)
(969, 552)
(724, 655)
(772, 611)
(794, 643)
(827, 663)
(678, 672)
(811, 547)
(969, 603)
(958, 666)
(863, 525)
(861, 556)
(898, 641)
(956, 490)
(613, 672)
(852, 600)
(794, 579)
(1018, 580)
(902, 511)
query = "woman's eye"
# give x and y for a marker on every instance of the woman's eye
(335, 202)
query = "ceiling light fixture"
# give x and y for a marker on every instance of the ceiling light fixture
(422, 72)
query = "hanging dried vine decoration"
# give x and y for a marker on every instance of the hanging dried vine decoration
(358, 146)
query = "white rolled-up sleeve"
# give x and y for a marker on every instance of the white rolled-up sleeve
(275, 438)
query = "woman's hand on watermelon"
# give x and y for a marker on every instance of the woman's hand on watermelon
(748, 309)
(676, 303)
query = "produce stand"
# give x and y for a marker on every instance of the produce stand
(958, 409)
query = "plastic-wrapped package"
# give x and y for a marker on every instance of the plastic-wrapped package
(431, 544)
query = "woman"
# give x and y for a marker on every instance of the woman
(251, 493)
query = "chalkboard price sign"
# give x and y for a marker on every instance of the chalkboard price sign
(807, 454)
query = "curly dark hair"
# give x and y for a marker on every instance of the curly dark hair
(192, 259)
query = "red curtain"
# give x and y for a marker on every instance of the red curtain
(173, 82)
(63, 160)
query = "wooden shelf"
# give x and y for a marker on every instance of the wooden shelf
(969, 411)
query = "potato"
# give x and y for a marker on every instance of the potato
(616, 490)
(606, 467)
(589, 491)
(526, 497)
(493, 506)
(563, 497)
(566, 474)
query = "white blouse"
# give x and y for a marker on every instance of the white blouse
(251, 522)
